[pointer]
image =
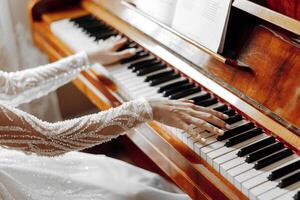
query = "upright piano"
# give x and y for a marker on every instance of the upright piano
(255, 81)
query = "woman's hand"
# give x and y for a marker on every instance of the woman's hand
(107, 53)
(185, 115)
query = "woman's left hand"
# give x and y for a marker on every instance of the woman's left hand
(107, 53)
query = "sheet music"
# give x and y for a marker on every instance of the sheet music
(204, 21)
(162, 10)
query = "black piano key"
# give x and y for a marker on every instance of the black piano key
(142, 62)
(148, 70)
(83, 18)
(185, 93)
(164, 79)
(243, 137)
(93, 26)
(289, 180)
(235, 131)
(178, 89)
(172, 85)
(159, 75)
(256, 146)
(145, 65)
(105, 35)
(201, 97)
(297, 196)
(207, 102)
(273, 158)
(233, 119)
(128, 45)
(229, 112)
(278, 173)
(135, 57)
(221, 108)
(264, 152)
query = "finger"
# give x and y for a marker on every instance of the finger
(118, 44)
(209, 118)
(211, 111)
(186, 100)
(125, 53)
(200, 139)
(202, 124)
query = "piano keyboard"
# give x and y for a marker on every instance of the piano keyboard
(258, 164)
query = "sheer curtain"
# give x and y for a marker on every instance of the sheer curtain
(17, 52)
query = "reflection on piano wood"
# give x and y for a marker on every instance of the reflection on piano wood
(258, 158)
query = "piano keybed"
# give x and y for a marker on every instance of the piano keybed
(258, 164)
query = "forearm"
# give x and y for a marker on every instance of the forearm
(22, 131)
(23, 86)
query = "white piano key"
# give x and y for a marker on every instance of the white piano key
(253, 172)
(277, 192)
(238, 170)
(260, 189)
(251, 183)
(224, 150)
(224, 158)
(289, 195)
(230, 164)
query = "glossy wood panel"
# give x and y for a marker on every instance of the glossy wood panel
(177, 160)
(230, 77)
(181, 164)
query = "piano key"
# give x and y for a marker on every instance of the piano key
(178, 89)
(297, 196)
(232, 155)
(148, 70)
(142, 62)
(172, 85)
(264, 152)
(231, 173)
(164, 79)
(224, 150)
(284, 170)
(289, 180)
(230, 165)
(244, 136)
(146, 65)
(207, 102)
(234, 119)
(277, 192)
(160, 74)
(185, 93)
(291, 195)
(235, 131)
(273, 158)
(240, 179)
(254, 147)
(260, 178)
(201, 97)
(229, 112)
(221, 108)
(135, 57)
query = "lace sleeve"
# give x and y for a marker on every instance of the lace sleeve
(22, 131)
(24, 86)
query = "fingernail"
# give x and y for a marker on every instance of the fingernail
(227, 126)
(132, 50)
(221, 132)
(225, 116)
(203, 140)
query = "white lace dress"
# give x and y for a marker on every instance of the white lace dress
(38, 160)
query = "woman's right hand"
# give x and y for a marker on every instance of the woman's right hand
(185, 115)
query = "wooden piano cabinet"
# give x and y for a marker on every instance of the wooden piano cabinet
(274, 85)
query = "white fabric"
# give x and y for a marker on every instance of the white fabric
(17, 52)
(73, 175)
